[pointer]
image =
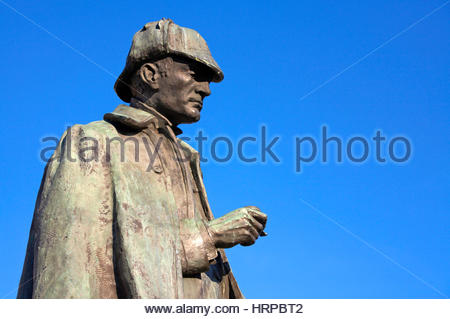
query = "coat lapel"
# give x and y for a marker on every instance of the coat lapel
(194, 161)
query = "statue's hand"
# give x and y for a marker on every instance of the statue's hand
(241, 226)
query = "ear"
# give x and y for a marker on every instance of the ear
(149, 74)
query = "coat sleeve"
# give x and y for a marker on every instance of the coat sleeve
(69, 252)
(198, 247)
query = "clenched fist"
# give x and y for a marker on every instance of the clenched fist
(241, 226)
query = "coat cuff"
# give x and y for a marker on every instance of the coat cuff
(198, 246)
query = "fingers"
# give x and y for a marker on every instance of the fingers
(252, 235)
(253, 231)
(256, 225)
(256, 213)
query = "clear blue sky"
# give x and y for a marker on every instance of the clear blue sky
(391, 237)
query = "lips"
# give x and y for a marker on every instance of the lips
(198, 104)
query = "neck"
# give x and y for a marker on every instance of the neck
(151, 107)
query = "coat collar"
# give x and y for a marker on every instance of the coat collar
(139, 116)
(138, 120)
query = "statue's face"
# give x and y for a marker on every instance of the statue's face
(180, 89)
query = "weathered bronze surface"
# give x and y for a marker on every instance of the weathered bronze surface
(111, 224)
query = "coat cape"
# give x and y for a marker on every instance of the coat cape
(107, 228)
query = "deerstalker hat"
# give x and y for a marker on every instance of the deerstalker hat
(158, 40)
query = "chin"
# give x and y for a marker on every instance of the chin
(188, 119)
(193, 116)
(193, 119)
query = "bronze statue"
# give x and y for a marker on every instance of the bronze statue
(122, 211)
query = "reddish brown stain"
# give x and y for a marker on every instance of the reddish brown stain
(137, 226)
(105, 275)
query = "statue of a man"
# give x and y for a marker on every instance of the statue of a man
(122, 211)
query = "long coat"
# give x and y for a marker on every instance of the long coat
(106, 226)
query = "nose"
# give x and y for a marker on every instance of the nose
(203, 89)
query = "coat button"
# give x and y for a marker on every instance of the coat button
(157, 169)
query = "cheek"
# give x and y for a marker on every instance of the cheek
(184, 90)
